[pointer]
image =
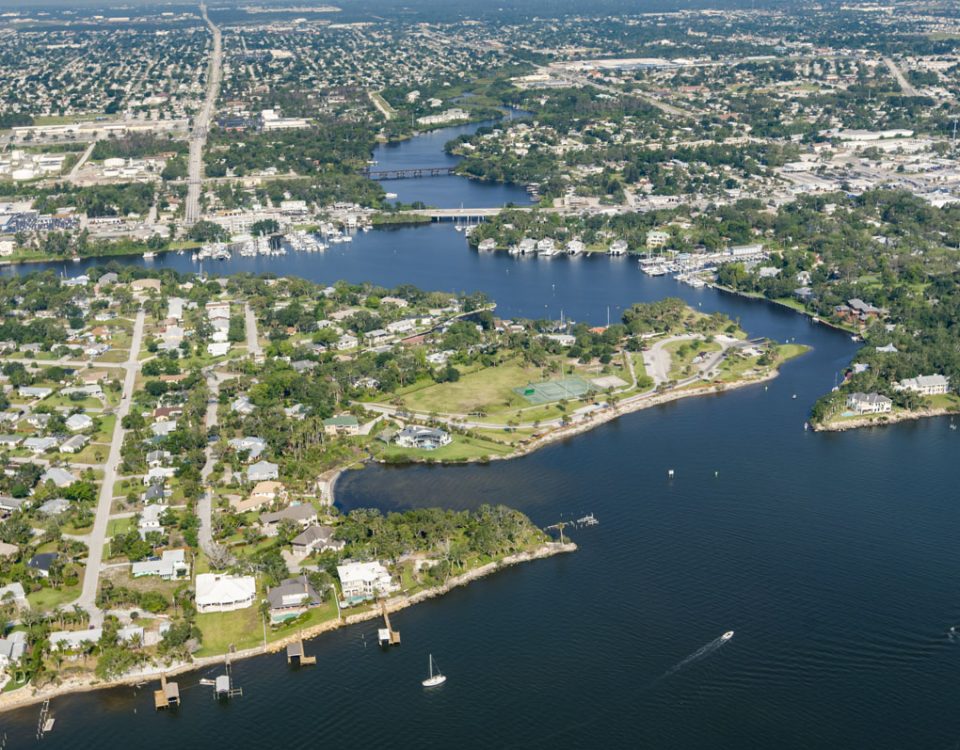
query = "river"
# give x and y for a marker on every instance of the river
(833, 557)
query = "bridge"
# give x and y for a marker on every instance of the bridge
(406, 174)
(458, 214)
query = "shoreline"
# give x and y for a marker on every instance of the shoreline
(596, 419)
(882, 420)
(22, 698)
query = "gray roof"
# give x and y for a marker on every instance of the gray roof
(313, 534)
(290, 588)
(293, 513)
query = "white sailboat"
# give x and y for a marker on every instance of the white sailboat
(434, 679)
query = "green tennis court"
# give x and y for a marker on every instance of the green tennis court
(554, 390)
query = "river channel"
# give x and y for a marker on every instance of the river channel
(833, 558)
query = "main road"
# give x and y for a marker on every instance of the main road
(201, 124)
(91, 575)
(906, 87)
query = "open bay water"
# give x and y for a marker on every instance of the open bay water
(834, 558)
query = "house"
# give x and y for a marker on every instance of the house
(343, 424)
(41, 563)
(347, 341)
(150, 520)
(657, 238)
(9, 504)
(304, 515)
(30, 391)
(38, 421)
(74, 444)
(12, 648)
(242, 406)
(364, 580)
(38, 445)
(171, 565)
(156, 493)
(869, 403)
(254, 446)
(315, 539)
(224, 593)
(14, 592)
(144, 285)
(926, 385)
(159, 474)
(888, 349)
(55, 506)
(163, 427)
(262, 470)
(263, 494)
(60, 477)
(424, 438)
(218, 348)
(8, 550)
(291, 599)
(158, 458)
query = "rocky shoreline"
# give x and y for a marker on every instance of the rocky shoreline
(27, 696)
(881, 420)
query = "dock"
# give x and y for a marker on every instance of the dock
(168, 694)
(387, 635)
(223, 686)
(296, 654)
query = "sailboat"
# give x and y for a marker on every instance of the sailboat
(434, 679)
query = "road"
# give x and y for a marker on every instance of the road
(201, 124)
(205, 503)
(72, 177)
(253, 339)
(906, 88)
(91, 575)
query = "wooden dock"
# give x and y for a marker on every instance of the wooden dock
(168, 694)
(387, 635)
(295, 652)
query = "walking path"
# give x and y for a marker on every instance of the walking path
(91, 575)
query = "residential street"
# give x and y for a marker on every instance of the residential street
(91, 574)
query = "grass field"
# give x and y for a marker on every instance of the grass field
(484, 389)
(461, 449)
(47, 599)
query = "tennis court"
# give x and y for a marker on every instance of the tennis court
(555, 390)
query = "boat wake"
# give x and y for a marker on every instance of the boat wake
(701, 653)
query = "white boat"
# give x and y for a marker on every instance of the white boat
(149, 255)
(438, 679)
(727, 636)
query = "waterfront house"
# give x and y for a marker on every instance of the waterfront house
(291, 598)
(315, 539)
(424, 438)
(869, 403)
(343, 424)
(365, 580)
(12, 648)
(926, 385)
(224, 593)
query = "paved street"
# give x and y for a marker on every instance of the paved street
(201, 125)
(91, 574)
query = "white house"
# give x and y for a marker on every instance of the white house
(224, 593)
(926, 385)
(171, 565)
(79, 422)
(150, 520)
(262, 471)
(869, 403)
(425, 438)
(253, 445)
(364, 580)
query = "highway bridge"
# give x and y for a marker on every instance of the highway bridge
(406, 174)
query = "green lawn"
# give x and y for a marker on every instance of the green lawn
(48, 599)
(483, 389)
(242, 628)
(461, 449)
(682, 354)
(119, 526)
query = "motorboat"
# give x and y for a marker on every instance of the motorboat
(727, 636)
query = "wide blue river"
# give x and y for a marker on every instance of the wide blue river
(834, 558)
